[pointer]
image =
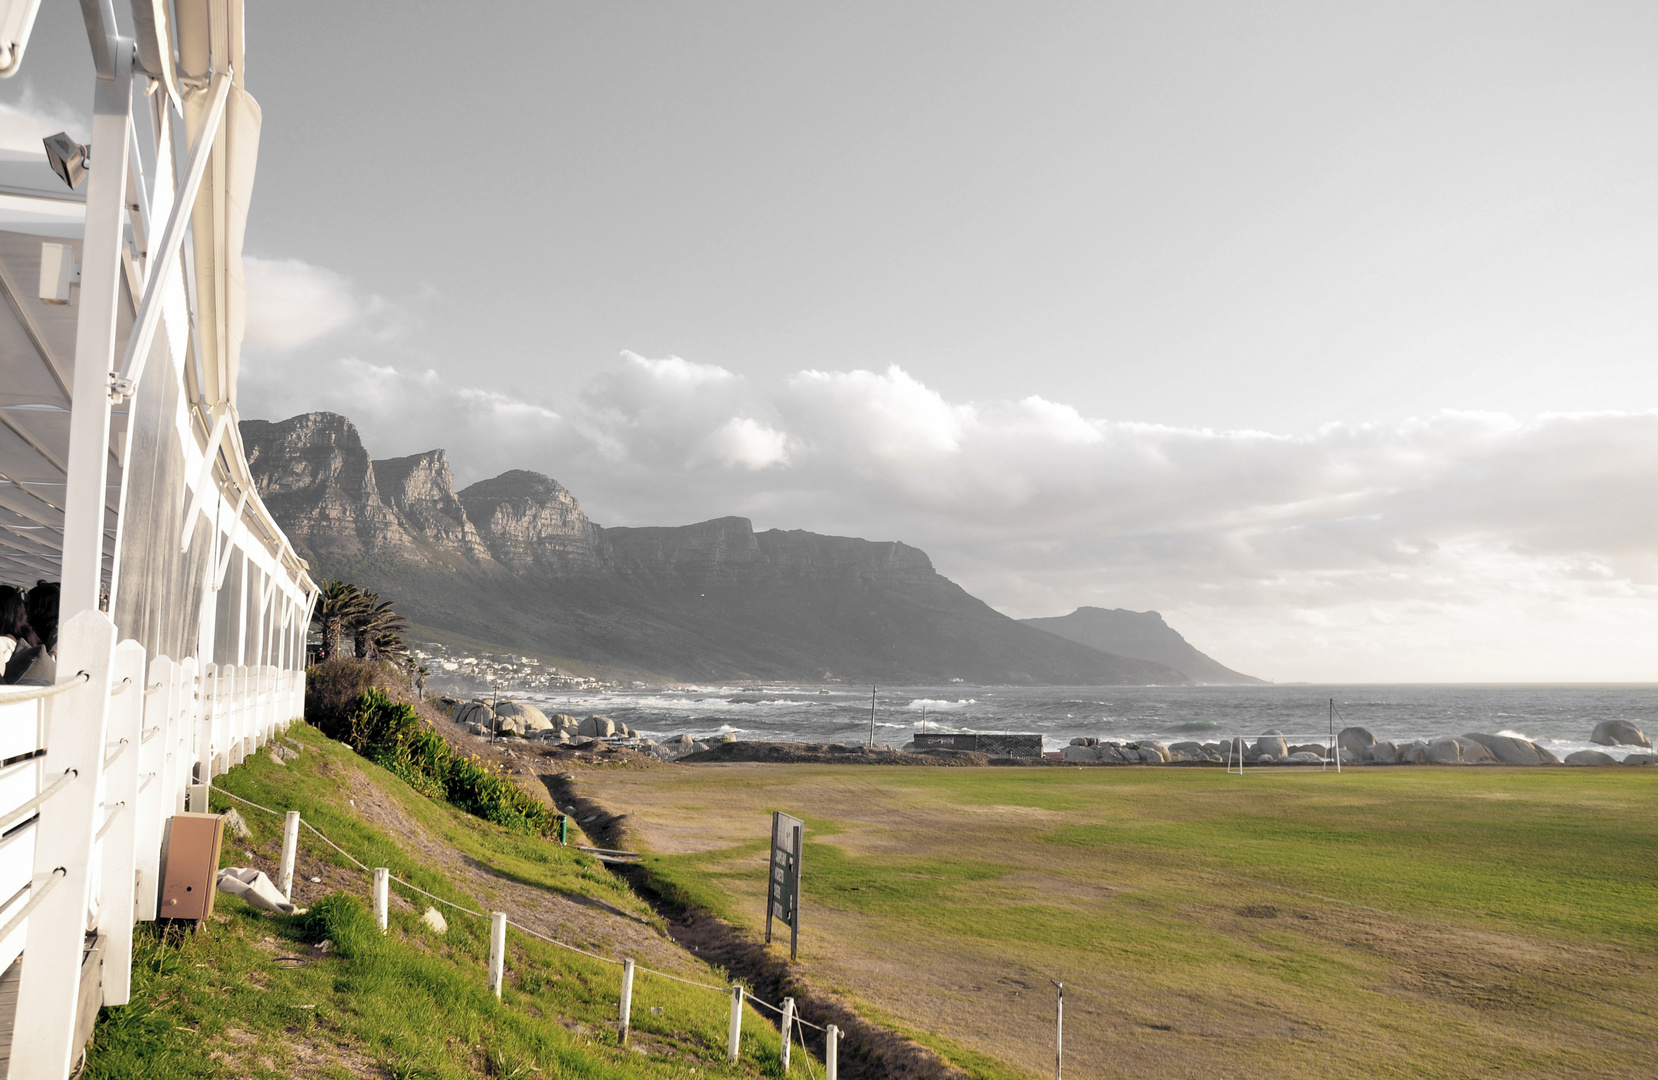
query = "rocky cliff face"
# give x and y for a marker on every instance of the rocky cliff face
(514, 560)
(421, 489)
(315, 476)
(530, 522)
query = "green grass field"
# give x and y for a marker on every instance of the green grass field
(251, 995)
(1443, 922)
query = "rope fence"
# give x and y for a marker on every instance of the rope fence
(788, 1016)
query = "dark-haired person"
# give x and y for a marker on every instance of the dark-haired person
(14, 624)
(42, 660)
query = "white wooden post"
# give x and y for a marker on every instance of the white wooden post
(831, 1053)
(497, 949)
(118, 821)
(206, 755)
(76, 729)
(627, 997)
(382, 888)
(153, 758)
(736, 1023)
(239, 695)
(1059, 1029)
(188, 705)
(290, 848)
(788, 1028)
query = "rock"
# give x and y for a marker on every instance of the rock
(1151, 754)
(527, 717)
(728, 737)
(1476, 753)
(1445, 752)
(1265, 759)
(1079, 752)
(1348, 757)
(477, 729)
(1186, 747)
(1638, 759)
(1385, 753)
(1161, 749)
(1618, 733)
(1271, 743)
(475, 712)
(1511, 750)
(1355, 739)
(1304, 757)
(565, 722)
(433, 918)
(698, 747)
(1308, 748)
(1415, 753)
(236, 825)
(597, 727)
(1080, 742)
(1590, 757)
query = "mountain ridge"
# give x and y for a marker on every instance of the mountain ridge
(1142, 635)
(513, 559)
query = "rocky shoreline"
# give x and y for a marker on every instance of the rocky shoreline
(1356, 746)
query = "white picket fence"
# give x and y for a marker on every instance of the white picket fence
(90, 770)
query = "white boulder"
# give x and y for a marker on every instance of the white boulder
(1618, 733)
(1590, 757)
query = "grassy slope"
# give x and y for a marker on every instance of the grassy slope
(410, 1003)
(1460, 922)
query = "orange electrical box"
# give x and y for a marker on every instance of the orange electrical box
(190, 865)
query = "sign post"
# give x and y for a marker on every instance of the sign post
(783, 895)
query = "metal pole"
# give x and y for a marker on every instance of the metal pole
(736, 1023)
(1059, 1029)
(831, 1053)
(382, 887)
(497, 949)
(627, 996)
(290, 848)
(872, 716)
(88, 465)
(788, 1027)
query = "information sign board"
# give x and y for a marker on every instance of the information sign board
(783, 895)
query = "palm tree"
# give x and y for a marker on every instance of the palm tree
(379, 631)
(338, 609)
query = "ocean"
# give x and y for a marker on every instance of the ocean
(1559, 717)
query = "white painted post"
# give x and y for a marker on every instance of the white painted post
(382, 888)
(736, 1023)
(1059, 1030)
(205, 754)
(831, 1053)
(627, 997)
(152, 783)
(188, 711)
(76, 727)
(119, 815)
(497, 949)
(290, 848)
(788, 1028)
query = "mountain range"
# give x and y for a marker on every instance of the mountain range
(513, 562)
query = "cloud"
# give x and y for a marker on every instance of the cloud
(31, 118)
(292, 303)
(1461, 545)
(749, 443)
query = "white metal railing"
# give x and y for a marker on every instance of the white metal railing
(97, 764)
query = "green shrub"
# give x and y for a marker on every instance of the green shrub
(392, 735)
(333, 687)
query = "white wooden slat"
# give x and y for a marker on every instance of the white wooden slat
(119, 846)
(22, 728)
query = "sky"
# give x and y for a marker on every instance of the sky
(1326, 330)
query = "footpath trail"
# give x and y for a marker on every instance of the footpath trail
(327, 994)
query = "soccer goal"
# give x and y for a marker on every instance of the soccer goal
(1275, 749)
